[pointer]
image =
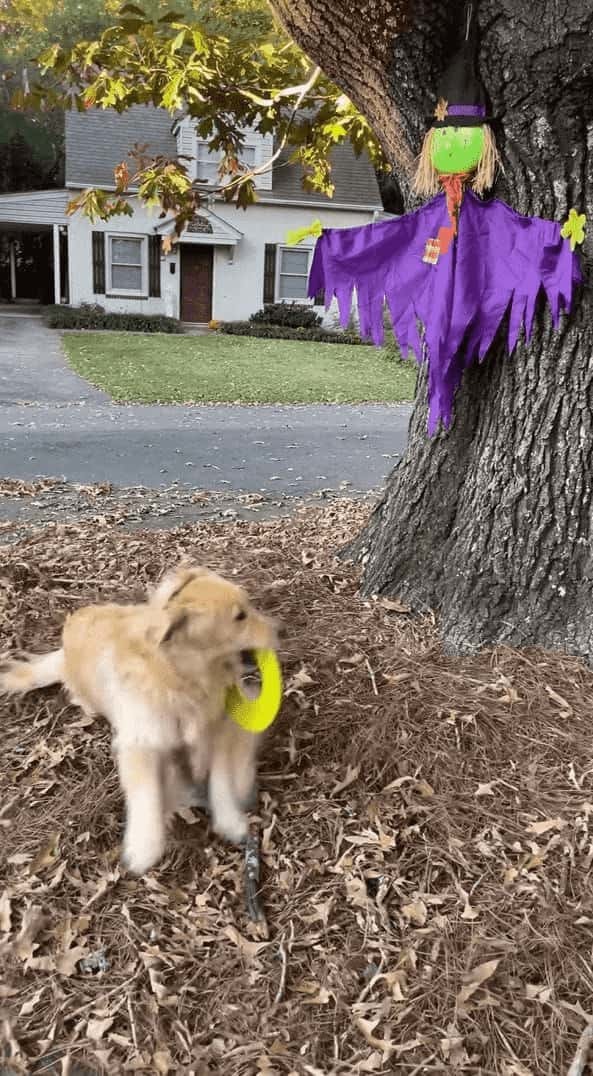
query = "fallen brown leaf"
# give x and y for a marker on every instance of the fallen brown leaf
(249, 948)
(486, 789)
(416, 912)
(96, 1028)
(5, 911)
(475, 978)
(367, 1028)
(47, 855)
(539, 828)
(33, 922)
(351, 776)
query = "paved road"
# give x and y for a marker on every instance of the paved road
(53, 423)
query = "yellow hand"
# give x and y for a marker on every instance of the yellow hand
(293, 238)
(574, 228)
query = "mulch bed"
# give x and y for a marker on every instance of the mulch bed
(24, 506)
(426, 826)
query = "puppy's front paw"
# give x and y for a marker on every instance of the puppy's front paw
(140, 856)
(233, 827)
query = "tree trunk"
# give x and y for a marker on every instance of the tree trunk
(490, 522)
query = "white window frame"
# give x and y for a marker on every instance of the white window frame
(139, 293)
(250, 146)
(279, 274)
(216, 156)
(249, 143)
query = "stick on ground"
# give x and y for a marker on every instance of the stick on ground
(252, 883)
(284, 959)
(580, 1058)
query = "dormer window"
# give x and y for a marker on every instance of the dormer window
(203, 162)
(208, 161)
(248, 155)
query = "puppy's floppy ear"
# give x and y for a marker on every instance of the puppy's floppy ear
(176, 623)
(167, 626)
(173, 583)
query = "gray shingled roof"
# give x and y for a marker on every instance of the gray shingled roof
(354, 179)
(97, 140)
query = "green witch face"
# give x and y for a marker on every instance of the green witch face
(450, 150)
(456, 150)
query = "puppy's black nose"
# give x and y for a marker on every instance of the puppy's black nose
(248, 659)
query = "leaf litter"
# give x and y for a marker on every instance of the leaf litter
(426, 840)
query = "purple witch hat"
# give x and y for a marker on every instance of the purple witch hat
(461, 95)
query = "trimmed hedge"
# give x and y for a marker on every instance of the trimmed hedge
(291, 315)
(95, 317)
(285, 332)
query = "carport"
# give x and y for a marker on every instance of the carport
(34, 247)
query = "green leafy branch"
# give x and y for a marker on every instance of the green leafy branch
(226, 83)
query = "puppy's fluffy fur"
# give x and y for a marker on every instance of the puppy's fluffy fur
(159, 673)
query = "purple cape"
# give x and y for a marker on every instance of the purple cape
(500, 260)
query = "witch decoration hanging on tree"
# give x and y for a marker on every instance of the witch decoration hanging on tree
(451, 270)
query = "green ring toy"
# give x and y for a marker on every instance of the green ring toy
(256, 715)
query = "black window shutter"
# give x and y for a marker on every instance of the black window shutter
(154, 266)
(270, 273)
(99, 263)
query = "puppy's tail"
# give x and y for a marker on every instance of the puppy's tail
(19, 676)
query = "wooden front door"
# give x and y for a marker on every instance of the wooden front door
(196, 282)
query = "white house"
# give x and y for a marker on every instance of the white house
(228, 262)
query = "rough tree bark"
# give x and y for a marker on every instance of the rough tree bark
(491, 522)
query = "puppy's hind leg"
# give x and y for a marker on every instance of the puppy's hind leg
(199, 756)
(180, 791)
(141, 778)
(18, 676)
(227, 817)
(244, 756)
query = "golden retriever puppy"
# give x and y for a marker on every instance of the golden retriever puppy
(159, 672)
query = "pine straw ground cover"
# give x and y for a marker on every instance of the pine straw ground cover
(427, 841)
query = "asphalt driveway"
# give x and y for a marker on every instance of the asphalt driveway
(52, 423)
(33, 368)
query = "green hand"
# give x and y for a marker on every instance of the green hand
(574, 228)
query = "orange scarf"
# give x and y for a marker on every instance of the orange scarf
(453, 187)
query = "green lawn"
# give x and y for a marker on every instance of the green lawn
(158, 368)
